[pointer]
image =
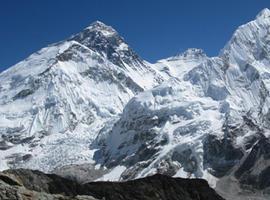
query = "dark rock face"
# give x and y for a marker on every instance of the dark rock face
(154, 187)
(255, 169)
(220, 155)
(189, 162)
(8, 180)
(22, 94)
(142, 137)
(40, 182)
(82, 173)
(105, 40)
(150, 188)
(4, 146)
(12, 189)
(98, 74)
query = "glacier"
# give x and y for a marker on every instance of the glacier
(90, 99)
(54, 102)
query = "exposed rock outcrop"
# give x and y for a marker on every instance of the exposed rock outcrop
(24, 184)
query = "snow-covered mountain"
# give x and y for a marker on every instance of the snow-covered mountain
(54, 103)
(206, 120)
(91, 99)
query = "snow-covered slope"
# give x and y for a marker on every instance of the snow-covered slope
(178, 65)
(91, 99)
(53, 103)
(205, 119)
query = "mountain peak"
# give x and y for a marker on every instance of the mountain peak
(102, 28)
(105, 40)
(191, 53)
(246, 42)
(100, 23)
(265, 13)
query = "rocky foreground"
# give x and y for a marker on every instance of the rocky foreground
(22, 184)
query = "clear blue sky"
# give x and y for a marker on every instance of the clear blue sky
(155, 29)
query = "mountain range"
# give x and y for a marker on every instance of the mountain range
(89, 108)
